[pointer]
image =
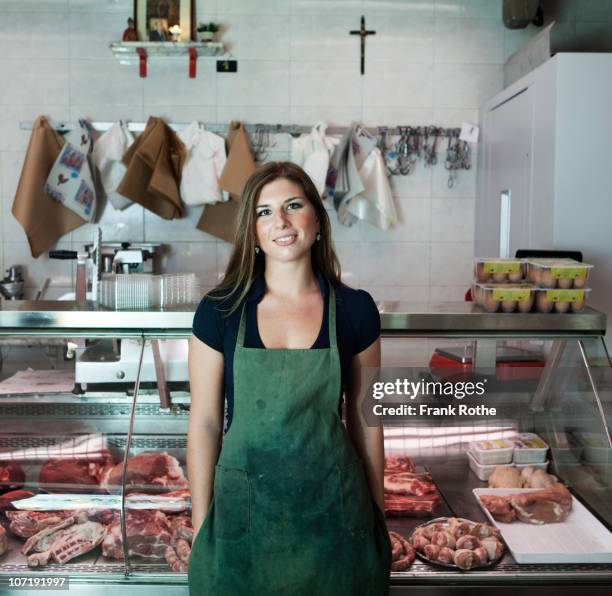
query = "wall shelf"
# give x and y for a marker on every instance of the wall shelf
(130, 52)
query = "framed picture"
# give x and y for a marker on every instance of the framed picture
(155, 18)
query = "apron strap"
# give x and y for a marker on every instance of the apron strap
(331, 325)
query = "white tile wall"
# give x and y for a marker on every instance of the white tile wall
(431, 61)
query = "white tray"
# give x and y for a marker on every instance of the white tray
(581, 538)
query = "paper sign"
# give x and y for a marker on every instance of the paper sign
(469, 132)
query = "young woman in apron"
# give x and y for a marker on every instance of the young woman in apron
(290, 502)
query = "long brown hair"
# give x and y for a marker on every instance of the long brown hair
(244, 262)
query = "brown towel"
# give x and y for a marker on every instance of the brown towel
(154, 163)
(220, 219)
(44, 219)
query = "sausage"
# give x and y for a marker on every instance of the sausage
(406, 553)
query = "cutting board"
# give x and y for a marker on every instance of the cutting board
(581, 538)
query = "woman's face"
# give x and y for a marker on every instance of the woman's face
(286, 222)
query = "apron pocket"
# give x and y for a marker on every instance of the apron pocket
(356, 498)
(232, 503)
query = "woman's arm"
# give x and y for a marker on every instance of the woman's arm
(205, 425)
(367, 440)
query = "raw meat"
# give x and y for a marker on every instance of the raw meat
(550, 505)
(432, 551)
(148, 472)
(6, 500)
(468, 541)
(177, 553)
(3, 541)
(71, 538)
(12, 476)
(74, 475)
(409, 506)
(443, 538)
(481, 554)
(505, 477)
(28, 523)
(409, 483)
(540, 479)
(446, 555)
(402, 552)
(493, 546)
(148, 532)
(499, 508)
(394, 465)
(178, 500)
(458, 528)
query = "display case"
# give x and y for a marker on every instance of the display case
(85, 391)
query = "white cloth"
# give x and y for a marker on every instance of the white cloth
(374, 203)
(107, 154)
(205, 161)
(70, 181)
(312, 152)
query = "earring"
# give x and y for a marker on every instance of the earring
(257, 250)
(318, 236)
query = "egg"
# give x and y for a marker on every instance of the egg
(515, 277)
(526, 305)
(561, 306)
(499, 278)
(490, 304)
(508, 305)
(578, 305)
(546, 279)
(543, 303)
(535, 275)
(481, 274)
(477, 291)
(580, 282)
(565, 283)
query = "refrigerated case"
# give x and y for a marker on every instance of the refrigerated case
(72, 438)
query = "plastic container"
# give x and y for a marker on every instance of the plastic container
(596, 450)
(493, 451)
(499, 270)
(558, 273)
(529, 448)
(505, 297)
(484, 471)
(565, 448)
(560, 300)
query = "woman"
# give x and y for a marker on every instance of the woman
(293, 504)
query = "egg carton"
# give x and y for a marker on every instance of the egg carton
(499, 270)
(560, 300)
(504, 297)
(558, 273)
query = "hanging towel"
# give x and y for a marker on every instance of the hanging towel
(375, 203)
(154, 164)
(203, 166)
(70, 181)
(312, 152)
(220, 219)
(107, 154)
(44, 220)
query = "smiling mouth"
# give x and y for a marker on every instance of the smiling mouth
(286, 240)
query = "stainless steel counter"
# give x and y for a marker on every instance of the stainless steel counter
(456, 319)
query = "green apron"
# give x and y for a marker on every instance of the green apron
(291, 511)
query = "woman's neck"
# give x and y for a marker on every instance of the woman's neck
(290, 280)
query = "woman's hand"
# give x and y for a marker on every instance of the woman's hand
(205, 425)
(367, 440)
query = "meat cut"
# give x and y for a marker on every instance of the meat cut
(74, 475)
(12, 476)
(410, 505)
(409, 483)
(147, 472)
(549, 505)
(7, 499)
(403, 463)
(70, 538)
(148, 533)
(27, 523)
(177, 553)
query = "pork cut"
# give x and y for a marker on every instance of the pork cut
(178, 552)
(74, 475)
(410, 505)
(7, 499)
(148, 532)
(403, 463)
(409, 483)
(27, 523)
(147, 472)
(12, 476)
(72, 537)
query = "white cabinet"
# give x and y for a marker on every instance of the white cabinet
(547, 144)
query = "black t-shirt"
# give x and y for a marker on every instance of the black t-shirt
(357, 327)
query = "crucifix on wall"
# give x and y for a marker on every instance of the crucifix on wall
(363, 33)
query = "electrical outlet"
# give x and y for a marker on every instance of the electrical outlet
(227, 66)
